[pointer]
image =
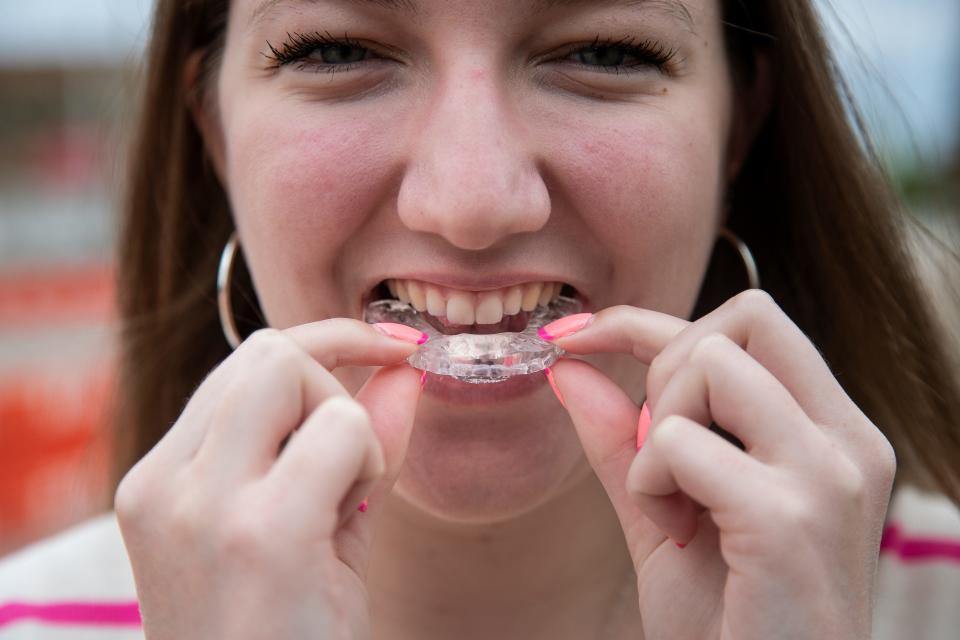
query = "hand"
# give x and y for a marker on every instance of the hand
(782, 538)
(233, 534)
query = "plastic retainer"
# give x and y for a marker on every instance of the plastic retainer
(479, 358)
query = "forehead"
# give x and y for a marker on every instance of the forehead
(681, 10)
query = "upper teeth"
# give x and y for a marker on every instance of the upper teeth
(474, 307)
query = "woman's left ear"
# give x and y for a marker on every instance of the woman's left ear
(751, 110)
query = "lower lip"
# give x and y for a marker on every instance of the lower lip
(449, 389)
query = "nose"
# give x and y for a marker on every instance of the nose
(471, 177)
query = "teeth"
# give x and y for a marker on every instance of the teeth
(490, 309)
(511, 301)
(546, 295)
(402, 291)
(460, 309)
(436, 305)
(531, 296)
(468, 307)
(418, 298)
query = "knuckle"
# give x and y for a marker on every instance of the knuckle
(885, 460)
(850, 480)
(619, 312)
(270, 346)
(360, 431)
(272, 354)
(661, 369)
(129, 498)
(244, 535)
(258, 339)
(346, 411)
(795, 514)
(355, 430)
(708, 346)
(187, 516)
(755, 302)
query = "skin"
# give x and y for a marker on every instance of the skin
(480, 149)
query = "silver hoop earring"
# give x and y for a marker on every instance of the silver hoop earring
(753, 275)
(224, 282)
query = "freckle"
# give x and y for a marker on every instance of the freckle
(664, 92)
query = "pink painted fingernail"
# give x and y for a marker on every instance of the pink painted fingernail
(680, 545)
(553, 385)
(565, 326)
(363, 505)
(401, 332)
(423, 383)
(643, 425)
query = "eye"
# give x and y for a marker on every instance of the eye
(603, 56)
(319, 52)
(624, 55)
(340, 53)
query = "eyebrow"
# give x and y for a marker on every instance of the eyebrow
(400, 6)
(675, 8)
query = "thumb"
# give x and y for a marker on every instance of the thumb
(608, 424)
(605, 419)
(390, 396)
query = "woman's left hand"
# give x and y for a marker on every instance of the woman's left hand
(782, 538)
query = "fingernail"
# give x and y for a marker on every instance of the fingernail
(423, 383)
(363, 505)
(401, 332)
(565, 326)
(679, 545)
(643, 425)
(553, 385)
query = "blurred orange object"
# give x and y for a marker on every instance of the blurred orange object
(56, 383)
(56, 297)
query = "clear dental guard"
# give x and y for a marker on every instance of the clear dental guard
(479, 358)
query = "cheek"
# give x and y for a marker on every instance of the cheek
(304, 175)
(648, 189)
(300, 185)
(656, 178)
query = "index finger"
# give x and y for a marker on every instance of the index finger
(625, 329)
(340, 342)
(332, 343)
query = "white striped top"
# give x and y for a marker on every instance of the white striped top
(78, 585)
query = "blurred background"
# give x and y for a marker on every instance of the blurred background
(67, 74)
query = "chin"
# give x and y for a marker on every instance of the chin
(488, 464)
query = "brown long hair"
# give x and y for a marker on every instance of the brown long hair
(812, 202)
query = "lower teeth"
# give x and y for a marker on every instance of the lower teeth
(478, 358)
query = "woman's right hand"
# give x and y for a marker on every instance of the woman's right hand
(230, 533)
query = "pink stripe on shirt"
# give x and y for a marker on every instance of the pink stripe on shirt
(78, 613)
(916, 548)
(127, 613)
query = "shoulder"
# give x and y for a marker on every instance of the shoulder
(76, 584)
(918, 576)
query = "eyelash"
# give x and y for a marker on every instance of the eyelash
(298, 46)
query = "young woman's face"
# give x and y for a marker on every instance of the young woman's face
(473, 146)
